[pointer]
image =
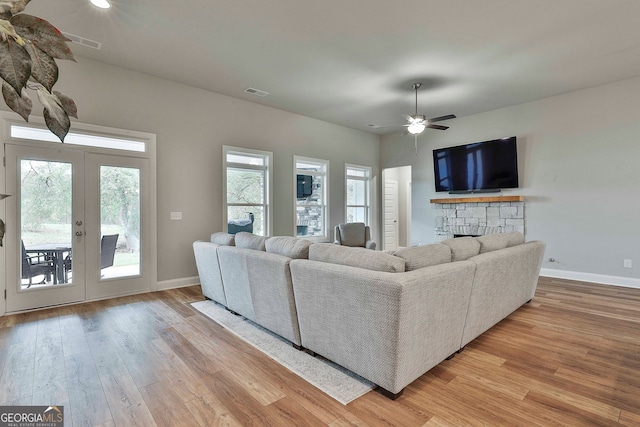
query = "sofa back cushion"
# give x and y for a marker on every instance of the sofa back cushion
(417, 257)
(462, 248)
(223, 239)
(494, 242)
(355, 257)
(250, 241)
(288, 246)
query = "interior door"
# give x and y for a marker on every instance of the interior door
(45, 227)
(390, 215)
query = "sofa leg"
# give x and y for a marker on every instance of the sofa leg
(452, 355)
(389, 395)
(460, 351)
(297, 347)
(232, 312)
(309, 352)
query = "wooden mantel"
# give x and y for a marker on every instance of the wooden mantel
(480, 199)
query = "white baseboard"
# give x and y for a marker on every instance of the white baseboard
(178, 283)
(627, 282)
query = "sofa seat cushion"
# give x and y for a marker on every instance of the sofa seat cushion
(250, 241)
(462, 248)
(355, 257)
(224, 239)
(417, 257)
(494, 242)
(288, 246)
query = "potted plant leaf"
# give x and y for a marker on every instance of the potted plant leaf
(29, 47)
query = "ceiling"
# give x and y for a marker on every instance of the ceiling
(353, 62)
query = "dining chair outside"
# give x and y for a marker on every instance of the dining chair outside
(36, 265)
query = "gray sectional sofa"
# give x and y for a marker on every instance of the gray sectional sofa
(388, 317)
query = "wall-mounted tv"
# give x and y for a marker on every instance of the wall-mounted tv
(481, 166)
(304, 186)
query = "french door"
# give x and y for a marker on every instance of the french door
(76, 227)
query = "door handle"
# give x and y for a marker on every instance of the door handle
(79, 233)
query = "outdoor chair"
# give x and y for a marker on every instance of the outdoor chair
(108, 250)
(34, 265)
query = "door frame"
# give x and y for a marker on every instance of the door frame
(9, 119)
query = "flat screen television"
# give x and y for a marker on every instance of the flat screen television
(304, 187)
(481, 166)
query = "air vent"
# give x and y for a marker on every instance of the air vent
(84, 41)
(256, 92)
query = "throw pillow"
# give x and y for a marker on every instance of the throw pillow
(224, 239)
(417, 257)
(462, 248)
(250, 241)
(288, 246)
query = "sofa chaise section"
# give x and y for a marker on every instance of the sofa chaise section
(206, 255)
(388, 327)
(257, 281)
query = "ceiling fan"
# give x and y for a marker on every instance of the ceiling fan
(417, 123)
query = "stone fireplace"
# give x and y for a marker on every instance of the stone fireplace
(477, 216)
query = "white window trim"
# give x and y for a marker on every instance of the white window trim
(268, 155)
(325, 195)
(367, 180)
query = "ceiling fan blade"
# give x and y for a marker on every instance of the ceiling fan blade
(408, 118)
(439, 127)
(441, 118)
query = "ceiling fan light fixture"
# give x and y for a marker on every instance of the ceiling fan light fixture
(102, 4)
(416, 128)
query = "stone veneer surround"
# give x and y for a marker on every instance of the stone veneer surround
(478, 218)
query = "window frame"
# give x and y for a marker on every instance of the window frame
(324, 164)
(367, 182)
(267, 170)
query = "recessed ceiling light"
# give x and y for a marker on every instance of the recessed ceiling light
(102, 4)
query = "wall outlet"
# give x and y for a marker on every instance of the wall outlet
(176, 216)
(628, 263)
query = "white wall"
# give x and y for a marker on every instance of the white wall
(191, 125)
(579, 161)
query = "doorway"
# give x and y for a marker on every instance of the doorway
(396, 200)
(79, 222)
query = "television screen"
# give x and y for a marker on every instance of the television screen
(488, 165)
(304, 186)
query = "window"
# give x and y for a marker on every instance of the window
(311, 193)
(247, 199)
(358, 193)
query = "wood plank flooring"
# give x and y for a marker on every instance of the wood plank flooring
(571, 357)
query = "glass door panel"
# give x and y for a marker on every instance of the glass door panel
(45, 231)
(119, 221)
(45, 222)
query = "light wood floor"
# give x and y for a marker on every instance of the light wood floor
(571, 357)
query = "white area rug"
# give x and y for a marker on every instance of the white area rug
(339, 383)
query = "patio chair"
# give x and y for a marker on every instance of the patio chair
(237, 225)
(34, 265)
(108, 250)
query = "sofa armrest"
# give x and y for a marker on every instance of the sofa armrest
(206, 256)
(390, 328)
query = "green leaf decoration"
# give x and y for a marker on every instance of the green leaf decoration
(20, 104)
(67, 104)
(44, 35)
(15, 64)
(55, 116)
(44, 69)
